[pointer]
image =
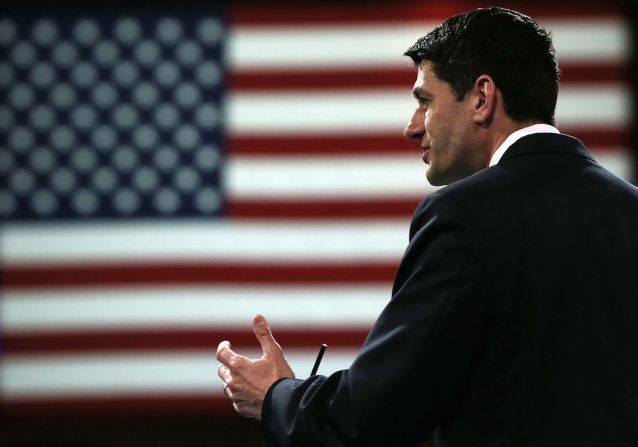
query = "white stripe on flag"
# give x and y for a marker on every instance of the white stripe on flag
(164, 373)
(328, 177)
(254, 177)
(253, 47)
(388, 110)
(322, 46)
(617, 160)
(214, 307)
(24, 244)
(602, 40)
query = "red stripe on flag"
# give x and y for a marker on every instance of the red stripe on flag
(91, 340)
(322, 145)
(120, 405)
(325, 14)
(601, 139)
(320, 209)
(595, 72)
(119, 274)
(349, 79)
(300, 79)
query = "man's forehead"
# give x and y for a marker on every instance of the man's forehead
(425, 69)
(424, 76)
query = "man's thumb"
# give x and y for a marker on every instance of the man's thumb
(264, 335)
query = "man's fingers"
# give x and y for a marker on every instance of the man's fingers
(228, 357)
(230, 387)
(264, 335)
(224, 373)
(224, 352)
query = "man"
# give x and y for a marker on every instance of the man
(514, 315)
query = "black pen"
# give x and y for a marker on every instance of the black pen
(322, 349)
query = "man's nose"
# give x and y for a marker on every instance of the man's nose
(415, 129)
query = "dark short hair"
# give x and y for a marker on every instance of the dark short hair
(508, 46)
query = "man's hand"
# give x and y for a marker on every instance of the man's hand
(246, 381)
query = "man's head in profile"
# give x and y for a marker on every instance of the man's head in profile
(481, 75)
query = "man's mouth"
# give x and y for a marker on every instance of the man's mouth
(426, 155)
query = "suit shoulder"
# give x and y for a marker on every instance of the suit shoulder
(448, 202)
(480, 183)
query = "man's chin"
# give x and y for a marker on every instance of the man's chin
(434, 177)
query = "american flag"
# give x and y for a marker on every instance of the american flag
(168, 173)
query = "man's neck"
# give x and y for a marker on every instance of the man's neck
(500, 135)
(515, 135)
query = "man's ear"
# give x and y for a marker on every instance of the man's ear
(485, 98)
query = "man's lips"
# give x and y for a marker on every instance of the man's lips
(426, 155)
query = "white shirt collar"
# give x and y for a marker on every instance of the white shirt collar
(516, 135)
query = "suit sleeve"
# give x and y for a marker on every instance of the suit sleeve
(414, 366)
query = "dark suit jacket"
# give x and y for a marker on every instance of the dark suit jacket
(513, 320)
